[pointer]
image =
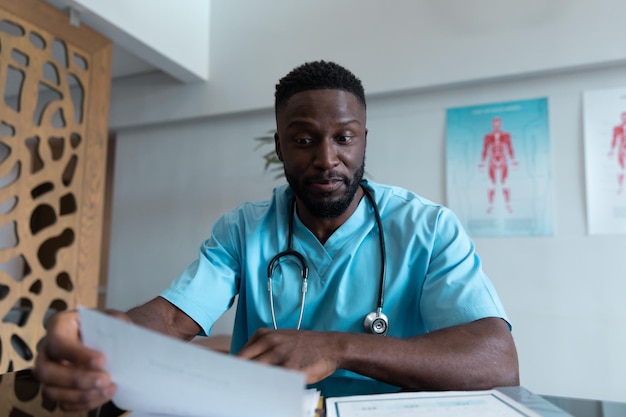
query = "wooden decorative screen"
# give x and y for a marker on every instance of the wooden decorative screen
(54, 99)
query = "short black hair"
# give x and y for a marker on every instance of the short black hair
(317, 75)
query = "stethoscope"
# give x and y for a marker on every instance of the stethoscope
(375, 322)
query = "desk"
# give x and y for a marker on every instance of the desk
(20, 396)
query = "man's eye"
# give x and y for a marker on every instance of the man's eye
(303, 141)
(344, 138)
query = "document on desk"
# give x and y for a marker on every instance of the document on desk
(158, 375)
(489, 403)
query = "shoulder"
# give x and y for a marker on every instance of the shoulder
(250, 219)
(403, 207)
(394, 199)
(256, 211)
(280, 195)
(394, 195)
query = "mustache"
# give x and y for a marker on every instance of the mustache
(327, 177)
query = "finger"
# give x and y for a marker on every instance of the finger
(63, 342)
(255, 345)
(57, 374)
(79, 400)
(314, 371)
(269, 358)
(252, 351)
(72, 351)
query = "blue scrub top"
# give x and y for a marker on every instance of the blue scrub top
(434, 277)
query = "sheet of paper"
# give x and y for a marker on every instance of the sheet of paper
(309, 406)
(159, 375)
(489, 403)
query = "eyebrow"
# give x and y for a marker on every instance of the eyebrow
(302, 122)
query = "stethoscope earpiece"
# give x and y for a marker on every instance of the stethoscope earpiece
(376, 323)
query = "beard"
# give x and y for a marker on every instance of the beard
(329, 209)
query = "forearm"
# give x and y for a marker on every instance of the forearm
(478, 355)
(162, 316)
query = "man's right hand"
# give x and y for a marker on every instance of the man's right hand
(70, 373)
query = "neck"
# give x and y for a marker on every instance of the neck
(323, 228)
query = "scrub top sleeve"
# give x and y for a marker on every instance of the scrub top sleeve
(208, 286)
(456, 289)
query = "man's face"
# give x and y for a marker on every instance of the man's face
(320, 138)
(497, 123)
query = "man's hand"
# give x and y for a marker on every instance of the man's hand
(70, 373)
(315, 353)
(73, 375)
(477, 355)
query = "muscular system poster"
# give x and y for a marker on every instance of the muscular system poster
(498, 167)
(605, 160)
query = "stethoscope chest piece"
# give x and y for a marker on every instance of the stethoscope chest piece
(376, 322)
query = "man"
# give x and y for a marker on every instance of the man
(497, 145)
(446, 328)
(619, 142)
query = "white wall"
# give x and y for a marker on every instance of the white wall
(393, 46)
(564, 293)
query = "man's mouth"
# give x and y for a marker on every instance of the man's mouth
(326, 185)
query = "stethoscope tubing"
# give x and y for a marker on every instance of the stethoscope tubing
(305, 269)
(305, 275)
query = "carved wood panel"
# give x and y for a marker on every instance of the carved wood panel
(54, 92)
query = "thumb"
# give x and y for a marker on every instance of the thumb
(63, 343)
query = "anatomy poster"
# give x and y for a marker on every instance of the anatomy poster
(605, 157)
(499, 177)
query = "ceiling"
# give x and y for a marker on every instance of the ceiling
(139, 43)
(126, 64)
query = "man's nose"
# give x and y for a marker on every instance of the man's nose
(326, 155)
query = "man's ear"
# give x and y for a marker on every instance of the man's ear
(277, 147)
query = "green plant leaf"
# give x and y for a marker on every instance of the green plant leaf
(272, 163)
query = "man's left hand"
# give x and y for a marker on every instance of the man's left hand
(314, 353)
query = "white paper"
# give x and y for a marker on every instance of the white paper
(159, 375)
(309, 405)
(489, 403)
